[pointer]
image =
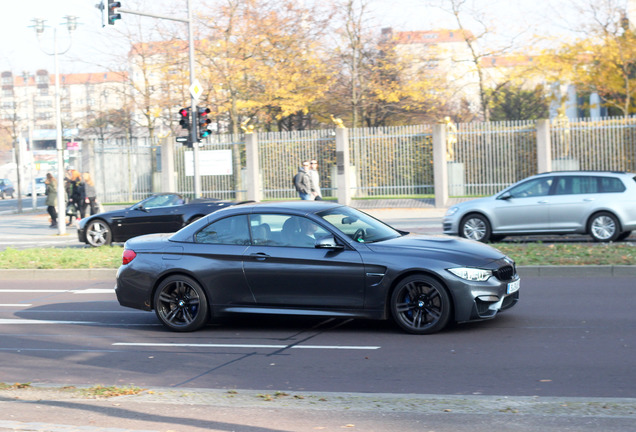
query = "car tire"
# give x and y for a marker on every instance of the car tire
(475, 227)
(604, 227)
(420, 305)
(181, 304)
(98, 233)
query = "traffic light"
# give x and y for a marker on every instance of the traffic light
(184, 114)
(204, 122)
(113, 14)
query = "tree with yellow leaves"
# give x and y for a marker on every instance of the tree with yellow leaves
(603, 62)
(260, 59)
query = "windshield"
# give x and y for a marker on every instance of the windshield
(358, 226)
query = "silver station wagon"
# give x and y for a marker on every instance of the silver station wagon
(601, 204)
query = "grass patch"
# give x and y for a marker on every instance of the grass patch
(61, 258)
(525, 254)
(100, 391)
(16, 386)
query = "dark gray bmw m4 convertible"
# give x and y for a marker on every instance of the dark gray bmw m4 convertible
(312, 258)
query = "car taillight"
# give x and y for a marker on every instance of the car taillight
(128, 256)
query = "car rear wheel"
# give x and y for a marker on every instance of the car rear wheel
(180, 304)
(98, 233)
(421, 305)
(604, 227)
(475, 227)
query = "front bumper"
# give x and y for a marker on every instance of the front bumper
(476, 301)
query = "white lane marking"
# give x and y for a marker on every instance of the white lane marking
(95, 291)
(15, 305)
(32, 291)
(333, 347)
(74, 291)
(28, 321)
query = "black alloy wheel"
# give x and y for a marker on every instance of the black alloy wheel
(181, 304)
(98, 233)
(475, 227)
(421, 305)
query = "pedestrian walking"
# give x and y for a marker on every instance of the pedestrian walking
(74, 193)
(51, 198)
(302, 182)
(315, 180)
(90, 195)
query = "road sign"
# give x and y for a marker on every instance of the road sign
(195, 89)
(183, 139)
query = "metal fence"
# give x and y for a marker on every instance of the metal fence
(221, 166)
(123, 169)
(389, 161)
(491, 156)
(281, 153)
(392, 161)
(592, 144)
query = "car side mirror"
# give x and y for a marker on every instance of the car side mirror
(328, 242)
(505, 196)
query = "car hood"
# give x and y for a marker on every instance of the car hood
(451, 249)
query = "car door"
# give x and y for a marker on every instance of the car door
(577, 197)
(284, 269)
(216, 257)
(159, 214)
(524, 207)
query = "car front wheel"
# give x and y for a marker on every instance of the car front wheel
(180, 304)
(604, 227)
(98, 233)
(421, 305)
(475, 227)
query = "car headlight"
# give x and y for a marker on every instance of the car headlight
(471, 274)
(451, 211)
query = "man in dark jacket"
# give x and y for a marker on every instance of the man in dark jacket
(302, 182)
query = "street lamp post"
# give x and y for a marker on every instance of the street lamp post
(71, 25)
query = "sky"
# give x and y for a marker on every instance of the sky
(91, 44)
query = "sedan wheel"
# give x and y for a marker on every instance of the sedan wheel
(604, 227)
(98, 233)
(421, 305)
(180, 304)
(475, 227)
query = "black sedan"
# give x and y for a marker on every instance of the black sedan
(312, 258)
(160, 213)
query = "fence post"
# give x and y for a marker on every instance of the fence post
(440, 167)
(254, 192)
(342, 166)
(167, 166)
(544, 146)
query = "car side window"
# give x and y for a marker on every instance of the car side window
(230, 231)
(532, 188)
(285, 230)
(611, 184)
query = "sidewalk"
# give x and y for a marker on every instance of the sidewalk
(31, 228)
(53, 409)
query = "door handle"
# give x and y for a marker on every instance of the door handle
(259, 256)
(542, 202)
(588, 199)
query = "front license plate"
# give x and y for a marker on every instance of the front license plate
(514, 286)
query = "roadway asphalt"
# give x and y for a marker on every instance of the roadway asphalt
(53, 409)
